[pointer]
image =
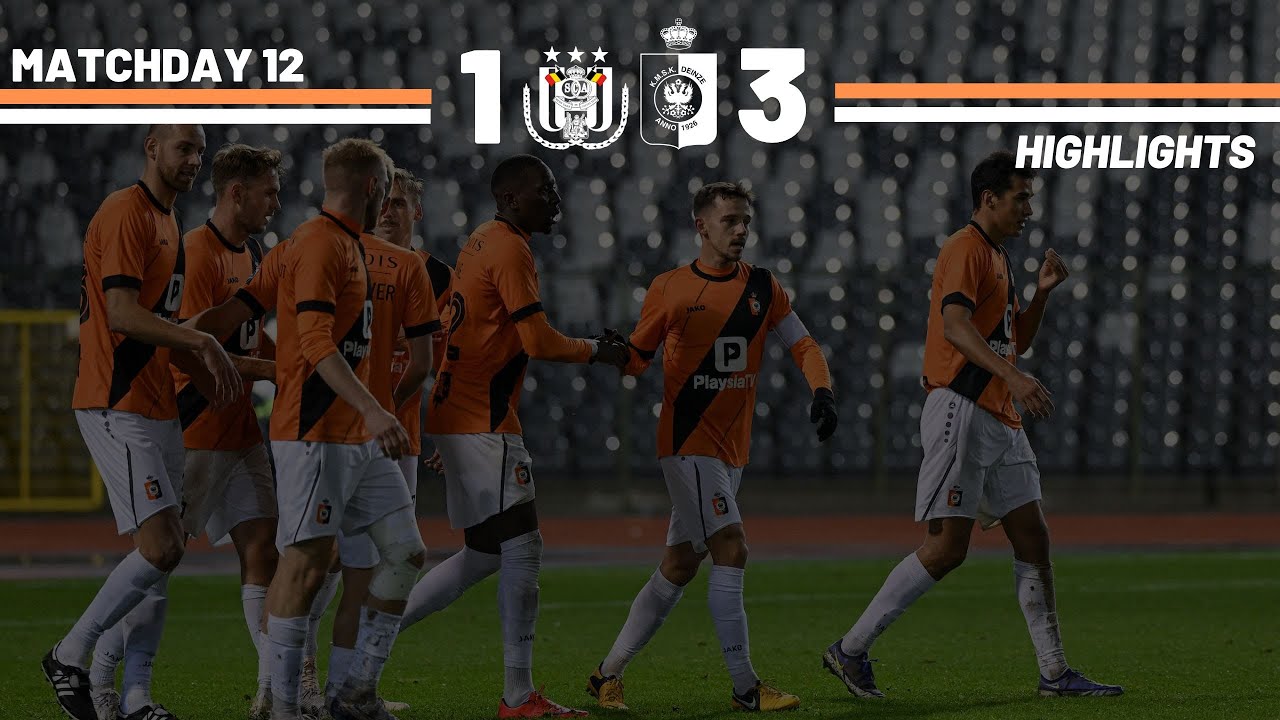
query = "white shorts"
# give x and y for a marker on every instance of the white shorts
(484, 474)
(704, 494)
(974, 465)
(356, 550)
(140, 461)
(224, 488)
(326, 487)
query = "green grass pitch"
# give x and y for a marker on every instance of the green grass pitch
(1188, 635)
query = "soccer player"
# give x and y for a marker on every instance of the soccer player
(228, 487)
(711, 318)
(404, 312)
(410, 364)
(335, 446)
(496, 324)
(125, 405)
(977, 461)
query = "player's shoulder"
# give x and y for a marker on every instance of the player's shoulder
(130, 200)
(966, 241)
(200, 239)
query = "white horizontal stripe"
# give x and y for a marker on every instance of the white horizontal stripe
(215, 116)
(998, 115)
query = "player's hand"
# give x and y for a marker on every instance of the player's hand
(435, 463)
(823, 413)
(1053, 271)
(1031, 394)
(611, 349)
(389, 433)
(227, 382)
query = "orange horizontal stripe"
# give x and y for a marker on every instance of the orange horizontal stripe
(205, 96)
(1057, 91)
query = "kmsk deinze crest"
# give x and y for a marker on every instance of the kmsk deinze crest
(678, 93)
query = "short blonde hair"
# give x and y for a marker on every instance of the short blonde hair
(238, 162)
(409, 184)
(350, 160)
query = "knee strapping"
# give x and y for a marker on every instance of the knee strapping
(402, 555)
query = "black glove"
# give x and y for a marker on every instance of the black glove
(611, 349)
(823, 412)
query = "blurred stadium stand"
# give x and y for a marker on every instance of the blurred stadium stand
(1161, 348)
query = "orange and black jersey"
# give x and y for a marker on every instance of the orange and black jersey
(711, 325)
(216, 269)
(410, 416)
(404, 306)
(133, 241)
(324, 306)
(495, 286)
(974, 272)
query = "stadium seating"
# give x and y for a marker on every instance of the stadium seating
(1160, 349)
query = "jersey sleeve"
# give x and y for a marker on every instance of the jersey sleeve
(315, 275)
(201, 280)
(962, 267)
(126, 236)
(650, 329)
(516, 280)
(779, 305)
(260, 293)
(421, 317)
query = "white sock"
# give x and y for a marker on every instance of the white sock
(123, 590)
(319, 605)
(287, 636)
(378, 632)
(905, 584)
(143, 628)
(107, 655)
(253, 598)
(521, 560)
(1034, 584)
(648, 611)
(446, 582)
(339, 667)
(724, 598)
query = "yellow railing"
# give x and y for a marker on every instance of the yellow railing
(52, 467)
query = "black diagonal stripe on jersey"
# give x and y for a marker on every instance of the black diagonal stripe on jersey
(317, 396)
(191, 403)
(440, 275)
(972, 380)
(692, 402)
(502, 386)
(131, 356)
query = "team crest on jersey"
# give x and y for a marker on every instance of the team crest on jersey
(152, 487)
(522, 474)
(323, 512)
(575, 101)
(955, 496)
(754, 303)
(719, 505)
(678, 98)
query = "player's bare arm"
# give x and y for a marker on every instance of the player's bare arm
(1053, 271)
(420, 361)
(127, 317)
(384, 427)
(958, 329)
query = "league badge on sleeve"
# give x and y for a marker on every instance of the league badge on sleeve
(678, 97)
(575, 101)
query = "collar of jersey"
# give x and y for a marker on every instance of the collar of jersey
(984, 235)
(154, 200)
(342, 221)
(223, 238)
(514, 228)
(713, 278)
